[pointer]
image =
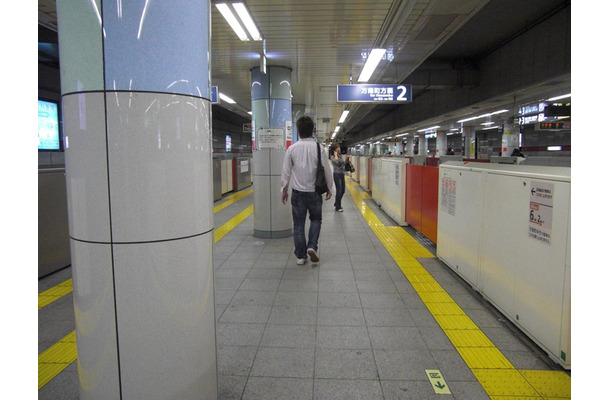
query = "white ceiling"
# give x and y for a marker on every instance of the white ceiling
(322, 42)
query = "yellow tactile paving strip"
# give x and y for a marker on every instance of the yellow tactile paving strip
(63, 353)
(50, 295)
(57, 357)
(498, 377)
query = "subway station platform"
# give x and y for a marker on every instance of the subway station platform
(379, 317)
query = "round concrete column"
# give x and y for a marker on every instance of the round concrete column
(422, 145)
(510, 138)
(441, 143)
(135, 90)
(409, 146)
(271, 121)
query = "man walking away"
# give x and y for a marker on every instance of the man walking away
(301, 163)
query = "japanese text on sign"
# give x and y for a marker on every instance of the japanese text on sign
(448, 188)
(372, 93)
(271, 139)
(541, 211)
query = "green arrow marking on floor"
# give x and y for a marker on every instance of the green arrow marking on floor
(437, 381)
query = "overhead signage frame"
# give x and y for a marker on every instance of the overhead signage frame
(374, 93)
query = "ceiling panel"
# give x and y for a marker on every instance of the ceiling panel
(323, 42)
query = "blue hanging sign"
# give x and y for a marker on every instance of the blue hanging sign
(365, 93)
(214, 95)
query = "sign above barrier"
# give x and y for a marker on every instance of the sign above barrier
(214, 95)
(373, 93)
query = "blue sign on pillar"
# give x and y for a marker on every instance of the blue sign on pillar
(372, 93)
(214, 95)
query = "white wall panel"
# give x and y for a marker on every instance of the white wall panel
(506, 230)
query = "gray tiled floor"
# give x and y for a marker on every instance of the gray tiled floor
(350, 327)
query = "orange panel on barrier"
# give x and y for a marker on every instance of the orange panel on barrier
(414, 195)
(429, 209)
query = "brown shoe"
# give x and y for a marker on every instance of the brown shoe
(313, 255)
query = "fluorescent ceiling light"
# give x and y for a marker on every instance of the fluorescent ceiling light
(343, 116)
(226, 98)
(402, 134)
(370, 65)
(560, 97)
(243, 13)
(429, 129)
(337, 129)
(226, 12)
(482, 116)
(553, 148)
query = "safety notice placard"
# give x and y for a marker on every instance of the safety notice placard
(271, 138)
(541, 211)
(448, 189)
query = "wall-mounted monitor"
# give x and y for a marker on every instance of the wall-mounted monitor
(49, 137)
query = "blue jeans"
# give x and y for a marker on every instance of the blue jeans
(302, 203)
(340, 186)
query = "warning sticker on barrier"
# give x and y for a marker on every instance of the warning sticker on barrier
(541, 211)
(448, 187)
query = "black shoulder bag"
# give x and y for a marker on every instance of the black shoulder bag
(321, 185)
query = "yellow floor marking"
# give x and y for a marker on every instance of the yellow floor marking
(232, 223)
(50, 295)
(500, 379)
(63, 353)
(57, 357)
(233, 198)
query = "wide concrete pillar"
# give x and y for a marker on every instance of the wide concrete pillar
(441, 143)
(272, 124)
(510, 138)
(409, 146)
(468, 133)
(135, 87)
(422, 149)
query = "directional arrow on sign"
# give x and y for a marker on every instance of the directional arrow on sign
(437, 381)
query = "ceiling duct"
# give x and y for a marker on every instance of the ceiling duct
(434, 27)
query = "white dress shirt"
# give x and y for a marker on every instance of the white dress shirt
(301, 162)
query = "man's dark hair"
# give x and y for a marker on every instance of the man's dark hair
(305, 127)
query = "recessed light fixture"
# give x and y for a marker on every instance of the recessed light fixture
(344, 115)
(482, 116)
(371, 63)
(246, 19)
(226, 98)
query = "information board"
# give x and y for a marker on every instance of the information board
(271, 138)
(373, 93)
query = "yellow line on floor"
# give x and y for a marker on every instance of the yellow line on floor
(57, 357)
(63, 353)
(498, 377)
(233, 198)
(56, 292)
(232, 223)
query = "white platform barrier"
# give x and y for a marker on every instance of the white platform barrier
(389, 187)
(506, 230)
(362, 169)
